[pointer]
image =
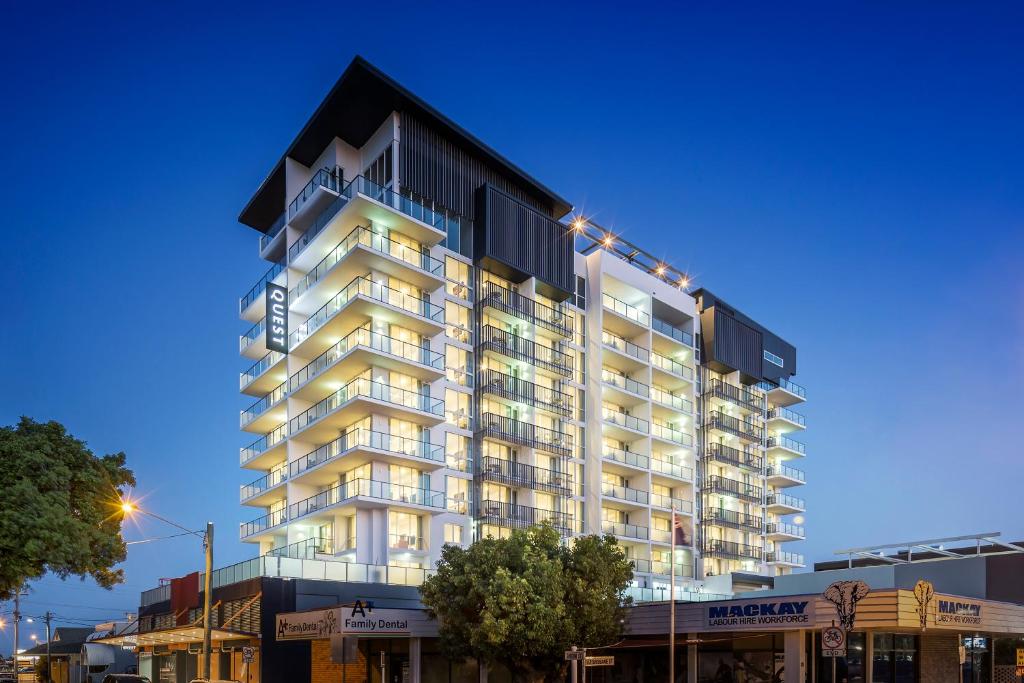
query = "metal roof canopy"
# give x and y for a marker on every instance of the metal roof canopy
(877, 552)
(595, 236)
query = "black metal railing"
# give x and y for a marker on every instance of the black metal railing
(713, 547)
(514, 303)
(733, 519)
(735, 394)
(716, 484)
(519, 474)
(734, 456)
(523, 391)
(525, 434)
(732, 425)
(511, 515)
(520, 348)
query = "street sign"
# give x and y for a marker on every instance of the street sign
(833, 642)
(248, 655)
(599, 661)
(574, 655)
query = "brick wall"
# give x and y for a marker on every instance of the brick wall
(323, 670)
(940, 658)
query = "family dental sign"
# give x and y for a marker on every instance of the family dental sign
(759, 614)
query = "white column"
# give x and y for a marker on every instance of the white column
(415, 647)
(796, 659)
(691, 657)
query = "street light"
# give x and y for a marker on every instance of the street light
(128, 507)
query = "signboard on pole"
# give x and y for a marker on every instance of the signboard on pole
(599, 661)
(833, 642)
(1020, 661)
(573, 655)
(248, 655)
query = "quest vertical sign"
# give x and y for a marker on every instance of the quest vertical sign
(277, 318)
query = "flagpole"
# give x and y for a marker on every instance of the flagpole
(672, 605)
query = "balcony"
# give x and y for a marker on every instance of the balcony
(784, 393)
(252, 344)
(621, 419)
(733, 519)
(521, 391)
(358, 446)
(731, 551)
(669, 503)
(521, 307)
(321, 190)
(670, 469)
(272, 241)
(781, 531)
(663, 568)
(734, 488)
(519, 474)
(519, 348)
(738, 396)
(350, 403)
(784, 448)
(780, 475)
(728, 424)
(745, 459)
(358, 351)
(628, 357)
(256, 492)
(255, 418)
(624, 493)
(630, 319)
(671, 400)
(250, 306)
(264, 450)
(631, 531)
(673, 367)
(255, 380)
(785, 558)
(369, 490)
(513, 431)
(371, 201)
(667, 432)
(366, 298)
(783, 504)
(360, 252)
(669, 330)
(785, 420)
(513, 516)
(626, 457)
(262, 524)
(623, 383)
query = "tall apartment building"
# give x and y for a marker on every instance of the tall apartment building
(434, 357)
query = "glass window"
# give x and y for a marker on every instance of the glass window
(457, 490)
(457, 274)
(453, 533)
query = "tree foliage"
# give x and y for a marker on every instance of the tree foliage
(522, 601)
(58, 507)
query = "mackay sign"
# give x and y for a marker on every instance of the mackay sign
(756, 614)
(954, 612)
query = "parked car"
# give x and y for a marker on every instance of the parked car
(125, 678)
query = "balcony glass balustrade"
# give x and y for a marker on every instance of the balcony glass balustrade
(624, 493)
(363, 286)
(264, 443)
(365, 388)
(671, 366)
(626, 457)
(625, 383)
(261, 406)
(365, 237)
(264, 523)
(251, 335)
(787, 443)
(272, 232)
(671, 469)
(784, 528)
(621, 345)
(327, 178)
(780, 413)
(626, 310)
(669, 502)
(366, 488)
(266, 482)
(669, 330)
(786, 500)
(623, 420)
(670, 433)
(258, 368)
(260, 286)
(365, 438)
(625, 530)
(666, 398)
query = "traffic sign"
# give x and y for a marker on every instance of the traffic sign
(248, 655)
(574, 655)
(599, 661)
(833, 642)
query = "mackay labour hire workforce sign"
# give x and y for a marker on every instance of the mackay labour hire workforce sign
(738, 615)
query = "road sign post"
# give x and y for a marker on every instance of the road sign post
(833, 642)
(573, 656)
(608, 660)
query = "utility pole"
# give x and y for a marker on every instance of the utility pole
(49, 667)
(207, 649)
(672, 604)
(17, 618)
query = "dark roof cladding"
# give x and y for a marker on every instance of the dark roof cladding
(352, 111)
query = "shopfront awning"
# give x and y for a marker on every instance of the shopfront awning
(177, 635)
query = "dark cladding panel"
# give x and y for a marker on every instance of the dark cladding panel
(518, 242)
(737, 345)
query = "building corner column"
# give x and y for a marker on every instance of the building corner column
(795, 656)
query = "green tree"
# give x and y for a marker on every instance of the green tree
(522, 601)
(58, 507)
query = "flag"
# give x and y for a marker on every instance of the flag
(678, 531)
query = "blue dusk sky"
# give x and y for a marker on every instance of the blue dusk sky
(849, 174)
